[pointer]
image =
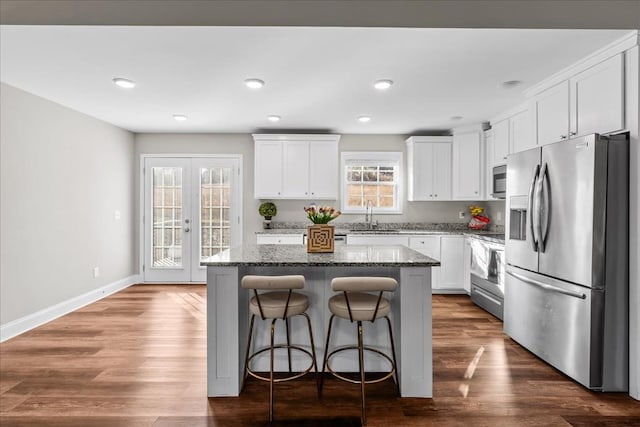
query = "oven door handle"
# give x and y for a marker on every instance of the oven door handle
(546, 286)
(486, 295)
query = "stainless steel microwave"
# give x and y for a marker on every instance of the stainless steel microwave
(499, 182)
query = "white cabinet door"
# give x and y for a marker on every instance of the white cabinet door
(429, 168)
(467, 177)
(597, 98)
(500, 143)
(429, 246)
(268, 169)
(420, 174)
(520, 135)
(323, 170)
(279, 239)
(452, 260)
(441, 171)
(295, 177)
(551, 111)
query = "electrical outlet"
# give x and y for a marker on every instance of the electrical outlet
(461, 215)
(499, 217)
(96, 272)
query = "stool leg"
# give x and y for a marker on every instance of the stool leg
(246, 357)
(393, 353)
(326, 354)
(286, 321)
(361, 360)
(313, 351)
(271, 351)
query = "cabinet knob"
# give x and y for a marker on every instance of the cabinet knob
(573, 133)
(435, 195)
(312, 193)
(563, 136)
(475, 192)
(278, 193)
(430, 195)
(305, 193)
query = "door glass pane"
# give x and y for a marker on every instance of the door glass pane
(167, 217)
(215, 205)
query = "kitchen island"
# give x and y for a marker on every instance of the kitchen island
(228, 315)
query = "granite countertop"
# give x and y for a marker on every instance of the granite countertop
(494, 236)
(344, 256)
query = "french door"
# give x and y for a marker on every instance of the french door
(192, 210)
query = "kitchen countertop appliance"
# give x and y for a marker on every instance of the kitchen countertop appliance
(566, 289)
(487, 275)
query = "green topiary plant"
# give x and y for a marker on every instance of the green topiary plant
(267, 210)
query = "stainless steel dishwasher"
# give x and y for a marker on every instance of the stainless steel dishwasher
(487, 275)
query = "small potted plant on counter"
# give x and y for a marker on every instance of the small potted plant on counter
(268, 210)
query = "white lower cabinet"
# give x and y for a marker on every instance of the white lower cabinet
(279, 239)
(448, 249)
(373, 239)
(466, 261)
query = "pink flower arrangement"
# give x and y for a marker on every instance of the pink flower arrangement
(322, 214)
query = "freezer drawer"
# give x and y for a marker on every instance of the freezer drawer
(558, 321)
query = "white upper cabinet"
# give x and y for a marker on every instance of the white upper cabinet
(467, 161)
(499, 143)
(591, 101)
(268, 169)
(520, 132)
(429, 168)
(551, 116)
(324, 170)
(296, 166)
(597, 98)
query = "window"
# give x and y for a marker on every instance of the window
(374, 177)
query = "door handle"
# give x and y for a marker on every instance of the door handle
(538, 209)
(545, 210)
(186, 230)
(532, 229)
(546, 286)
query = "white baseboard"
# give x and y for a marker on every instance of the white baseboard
(26, 323)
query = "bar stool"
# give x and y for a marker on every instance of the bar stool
(279, 303)
(357, 305)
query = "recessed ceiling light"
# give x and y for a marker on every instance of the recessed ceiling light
(124, 83)
(254, 83)
(511, 84)
(383, 84)
(364, 119)
(180, 117)
(273, 118)
(456, 118)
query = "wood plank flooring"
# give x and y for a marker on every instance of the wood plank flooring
(138, 358)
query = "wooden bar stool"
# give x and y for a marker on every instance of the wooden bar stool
(357, 305)
(280, 302)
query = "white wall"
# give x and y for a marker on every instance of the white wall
(63, 175)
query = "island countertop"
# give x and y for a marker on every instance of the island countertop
(344, 256)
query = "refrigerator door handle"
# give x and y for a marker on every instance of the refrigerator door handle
(545, 209)
(532, 229)
(546, 286)
(538, 209)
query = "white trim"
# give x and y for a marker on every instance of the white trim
(481, 127)
(624, 43)
(30, 321)
(421, 139)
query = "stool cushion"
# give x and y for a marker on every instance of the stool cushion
(362, 305)
(274, 303)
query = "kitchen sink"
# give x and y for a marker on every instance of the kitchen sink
(375, 231)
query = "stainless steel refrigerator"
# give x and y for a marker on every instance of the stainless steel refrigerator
(566, 289)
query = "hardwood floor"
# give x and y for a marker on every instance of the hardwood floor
(138, 358)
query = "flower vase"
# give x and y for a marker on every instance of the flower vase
(320, 238)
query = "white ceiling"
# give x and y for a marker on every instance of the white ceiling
(316, 78)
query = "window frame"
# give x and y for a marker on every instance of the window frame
(381, 158)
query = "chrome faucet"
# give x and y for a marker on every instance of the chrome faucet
(368, 216)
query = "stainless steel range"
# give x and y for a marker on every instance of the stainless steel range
(487, 273)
